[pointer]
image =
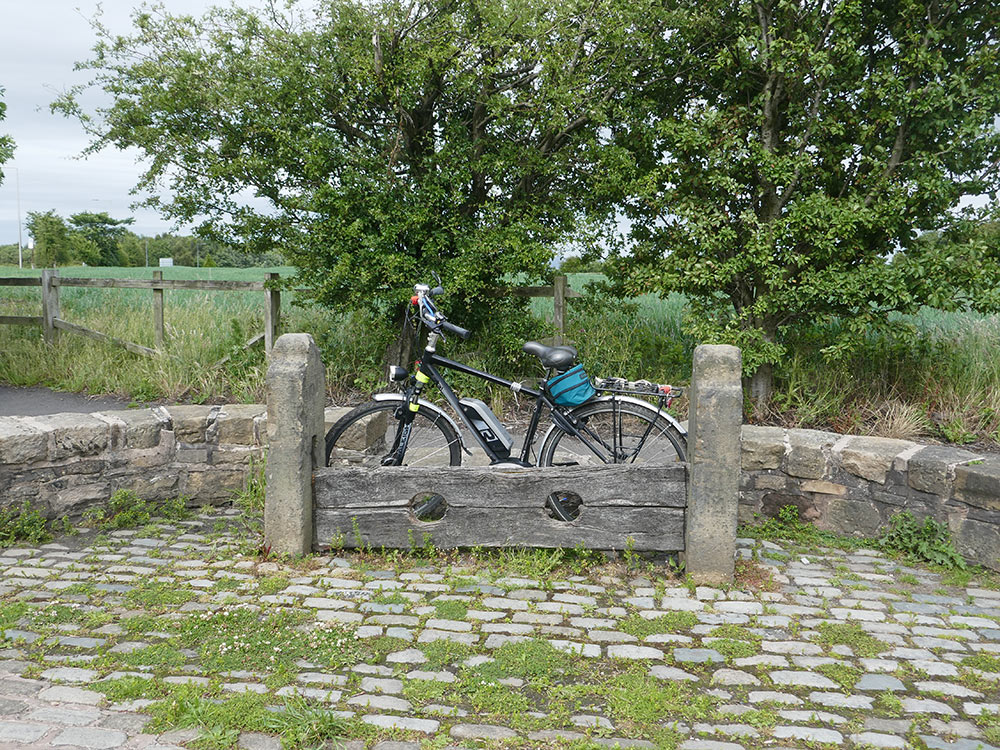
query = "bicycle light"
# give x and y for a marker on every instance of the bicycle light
(397, 373)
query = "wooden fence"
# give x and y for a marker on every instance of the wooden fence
(52, 322)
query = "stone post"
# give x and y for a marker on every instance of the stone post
(296, 393)
(716, 414)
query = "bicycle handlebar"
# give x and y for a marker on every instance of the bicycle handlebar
(462, 333)
(431, 315)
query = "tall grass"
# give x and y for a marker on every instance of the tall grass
(941, 379)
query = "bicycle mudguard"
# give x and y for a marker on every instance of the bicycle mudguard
(627, 399)
(426, 406)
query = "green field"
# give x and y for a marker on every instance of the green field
(938, 376)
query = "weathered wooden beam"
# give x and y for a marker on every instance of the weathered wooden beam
(50, 304)
(541, 291)
(98, 336)
(204, 285)
(637, 506)
(158, 327)
(272, 313)
(20, 281)
(22, 320)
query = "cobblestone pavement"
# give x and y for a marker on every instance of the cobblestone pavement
(848, 649)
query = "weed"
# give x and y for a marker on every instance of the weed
(929, 541)
(421, 692)
(751, 575)
(536, 661)
(671, 622)
(126, 510)
(443, 652)
(788, 526)
(131, 688)
(451, 609)
(889, 704)
(843, 674)
(270, 585)
(983, 661)
(250, 500)
(23, 524)
(732, 649)
(908, 578)
(11, 612)
(157, 596)
(636, 698)
(850, 634)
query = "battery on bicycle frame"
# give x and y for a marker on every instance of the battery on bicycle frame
(488, 426)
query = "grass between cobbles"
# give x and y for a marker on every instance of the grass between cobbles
(273, 642)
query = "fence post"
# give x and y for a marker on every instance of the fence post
(272, 313)
(559, 307)
(158, 310)
(296, 393)
(50, 305)
(715, 417)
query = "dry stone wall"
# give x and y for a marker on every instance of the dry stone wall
(853, 485)
(63, 463)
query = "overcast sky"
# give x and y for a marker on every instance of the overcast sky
(40, 40)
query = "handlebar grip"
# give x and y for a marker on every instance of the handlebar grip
(436, 291)
(457, 330)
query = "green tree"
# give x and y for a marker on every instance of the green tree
(104, 232)
(386, 139)
(53, 245)
(788, 154)
(6, 142)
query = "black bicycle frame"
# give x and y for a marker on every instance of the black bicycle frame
(428, 366)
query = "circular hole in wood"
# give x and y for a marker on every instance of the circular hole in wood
(563, 506)
(428, 506)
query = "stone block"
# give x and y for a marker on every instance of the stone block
(193, 455)
(763, 447)
(770, 482)
(931, 468)
(977, 541)
(21, 443)
(190, 423)
(72, 500)
(134, 428)
(72, 435)
(296, 392)
(807, 453)
(978, 484)
(331, 414)
(149, 485)
(773, 502)
(236, 454)
(870, 457)
(848, 516)
(212, 485)
(236, 423)
(714, 456)
(822, 487)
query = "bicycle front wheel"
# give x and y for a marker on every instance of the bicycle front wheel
(371, 432)
(615, 433)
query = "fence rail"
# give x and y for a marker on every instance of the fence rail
(52, 322)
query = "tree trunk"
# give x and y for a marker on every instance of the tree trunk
(400, 350)
(761, 388)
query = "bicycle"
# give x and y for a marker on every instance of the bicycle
(396, 429)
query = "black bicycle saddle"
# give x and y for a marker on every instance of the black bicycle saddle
(559, 357)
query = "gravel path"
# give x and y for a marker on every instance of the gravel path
(848, 649)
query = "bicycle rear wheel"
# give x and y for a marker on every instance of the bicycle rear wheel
(615, 433)
(370, 432)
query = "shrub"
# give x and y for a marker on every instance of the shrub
(929, 541)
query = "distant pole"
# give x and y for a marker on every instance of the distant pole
(17, 183)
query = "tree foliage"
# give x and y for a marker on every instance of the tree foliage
(788, 155)
(378, 140)
(6, 142)
(53, 245)
(104, 234)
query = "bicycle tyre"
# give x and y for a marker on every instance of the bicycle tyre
(366, 434)
(661, 442)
